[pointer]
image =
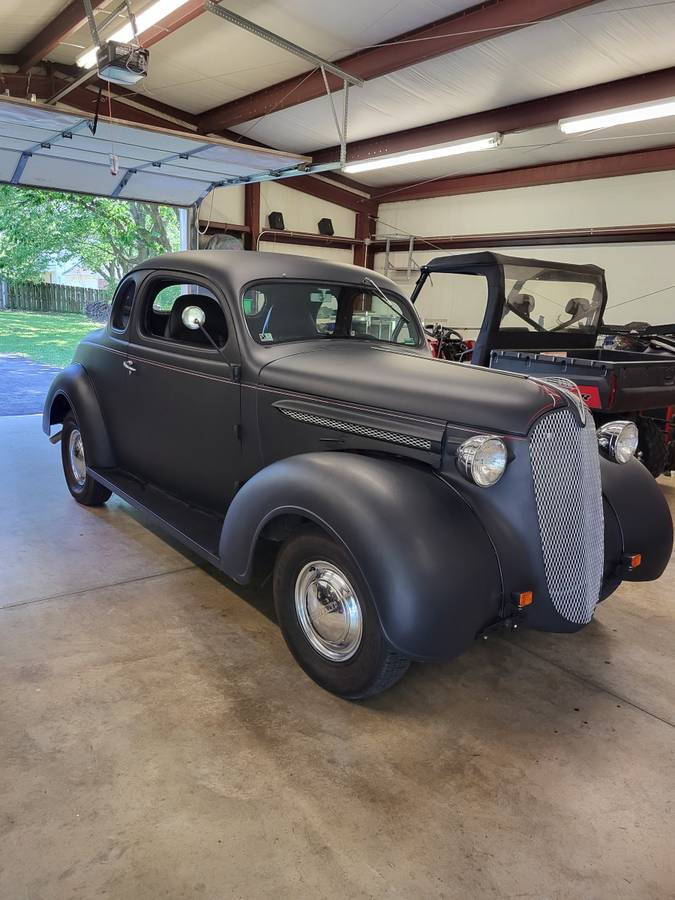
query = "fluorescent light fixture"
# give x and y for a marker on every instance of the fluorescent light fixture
(149, 17)
(641, 112)
(486, 142)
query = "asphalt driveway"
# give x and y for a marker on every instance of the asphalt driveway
(23, 384)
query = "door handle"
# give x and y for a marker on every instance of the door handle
(129, 366)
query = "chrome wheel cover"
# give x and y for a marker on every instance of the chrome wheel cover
(328, 610)
(78, 465)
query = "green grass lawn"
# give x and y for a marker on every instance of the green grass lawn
(48, 338)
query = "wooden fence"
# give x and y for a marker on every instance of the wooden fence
(57, 298)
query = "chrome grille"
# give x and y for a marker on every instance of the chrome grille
(379, 434)
(566, 473)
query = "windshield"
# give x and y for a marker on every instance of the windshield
(280, 311)
(538, 298)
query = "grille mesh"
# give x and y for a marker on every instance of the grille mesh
(566, 472)
(393, 437)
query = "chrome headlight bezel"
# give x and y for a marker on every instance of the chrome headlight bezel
(473, 459)
(618, 440)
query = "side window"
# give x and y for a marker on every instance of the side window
(164, 306)
(253, 302)
(122, 303)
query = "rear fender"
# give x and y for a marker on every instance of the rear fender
(430, 566)
(72, 389)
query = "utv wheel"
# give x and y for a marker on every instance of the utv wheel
(652, 447)
(329, 621)
(80, 484)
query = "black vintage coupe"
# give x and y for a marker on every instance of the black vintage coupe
(258, 400)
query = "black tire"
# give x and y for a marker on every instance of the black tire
(375, 665)
(88, 492)
(652, 447)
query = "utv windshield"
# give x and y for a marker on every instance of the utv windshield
(550, 299)
(280, 311)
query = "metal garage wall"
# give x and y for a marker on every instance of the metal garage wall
(632, 269)
(629, 200)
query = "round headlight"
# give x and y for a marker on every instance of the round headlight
(482, 459)
(619, 440)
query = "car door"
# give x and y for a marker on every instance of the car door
(182, 394)
(103, 360)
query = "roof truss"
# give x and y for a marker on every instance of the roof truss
(487, 20)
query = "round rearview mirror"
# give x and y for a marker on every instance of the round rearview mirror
(193, 317)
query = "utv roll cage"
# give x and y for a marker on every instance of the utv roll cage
(492, 335)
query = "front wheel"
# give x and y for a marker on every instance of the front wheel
(329, 620)
(80, 484)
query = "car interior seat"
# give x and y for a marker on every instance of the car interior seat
(289, 318)
(214, 323)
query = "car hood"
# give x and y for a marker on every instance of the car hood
(412, 384)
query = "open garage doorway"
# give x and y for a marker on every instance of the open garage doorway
(61, 257)
(82, 200)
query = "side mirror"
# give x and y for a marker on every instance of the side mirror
(193, 317)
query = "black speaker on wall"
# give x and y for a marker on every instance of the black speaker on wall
(326, 227)
(276, 220)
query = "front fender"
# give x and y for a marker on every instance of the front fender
(643, 521)
(72, 386)
(430, 566)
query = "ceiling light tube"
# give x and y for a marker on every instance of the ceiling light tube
(144, 20)
(609, 118)
(471, 145)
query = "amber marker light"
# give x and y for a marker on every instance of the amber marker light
(635, 561)
(526, 598)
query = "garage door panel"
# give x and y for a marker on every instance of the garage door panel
(68, 175)
(63, 152)
(8, 163)
(174, 191)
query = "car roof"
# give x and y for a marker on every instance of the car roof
(235, 268)
(489, 258)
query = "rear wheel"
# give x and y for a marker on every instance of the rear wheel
(80, 484)
(329, 620)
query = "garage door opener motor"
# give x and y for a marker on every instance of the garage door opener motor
(117, 61)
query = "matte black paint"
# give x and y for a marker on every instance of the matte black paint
(74, 386)
(206, 443)
(366, 503)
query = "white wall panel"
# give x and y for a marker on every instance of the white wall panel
(632, 270)
(332, 254)
(630, 200)
(224, 205)
(301, 211)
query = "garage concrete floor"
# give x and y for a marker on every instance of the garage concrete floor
(157, 740)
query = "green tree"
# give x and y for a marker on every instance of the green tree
(108, 237)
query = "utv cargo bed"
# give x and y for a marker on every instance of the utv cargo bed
(610, 380)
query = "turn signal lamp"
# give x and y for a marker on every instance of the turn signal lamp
(526, 598)
(635, 560)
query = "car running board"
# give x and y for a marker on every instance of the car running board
(196, 529)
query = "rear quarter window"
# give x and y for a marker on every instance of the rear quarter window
(122, 305)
